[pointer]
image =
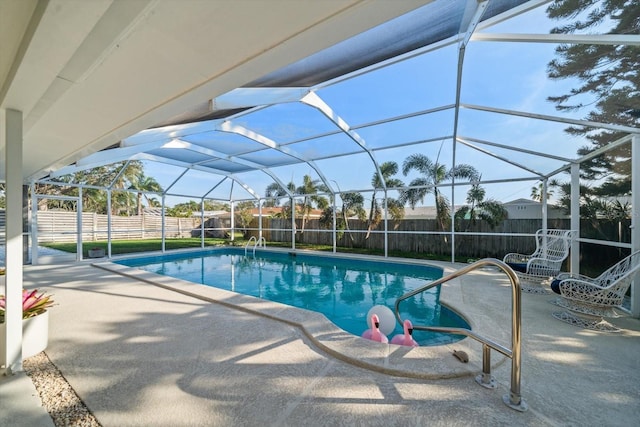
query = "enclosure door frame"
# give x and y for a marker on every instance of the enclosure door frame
(34, 224)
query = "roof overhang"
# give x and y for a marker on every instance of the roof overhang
(86, 75)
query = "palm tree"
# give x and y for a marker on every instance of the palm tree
(618, 210)
(274, 192)
(352, 205)
(387, 169)
(153, 202)
(95, 200)
(536, 191)
(144, 184)
(489, 210)
(309, 190)
(434, 174)
(121, 201)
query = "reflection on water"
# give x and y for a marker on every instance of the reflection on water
(343, 290)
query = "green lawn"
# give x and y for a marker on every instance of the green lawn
(120, 247)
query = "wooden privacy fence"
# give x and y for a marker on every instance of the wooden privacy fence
(409, 235)
(420, 236)
(417, 235)
(60, 226)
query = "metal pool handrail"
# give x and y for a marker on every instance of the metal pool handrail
(252, 239)
(513, 399)
(262, 242)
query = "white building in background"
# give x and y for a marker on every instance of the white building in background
(531, 209)
(516, 209)
(421, 212)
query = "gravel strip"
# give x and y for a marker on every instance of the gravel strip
(57, 395)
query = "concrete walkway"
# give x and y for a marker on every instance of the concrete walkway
(19, 403)
(139, 354)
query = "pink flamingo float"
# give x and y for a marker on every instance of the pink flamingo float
(374, 333)
(406, 338)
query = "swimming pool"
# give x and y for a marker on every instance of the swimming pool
(343, 289)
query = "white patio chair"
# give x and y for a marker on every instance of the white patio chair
(587, 301)
(536, 270)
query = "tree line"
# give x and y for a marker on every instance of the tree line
(132, 189)
(432, 175)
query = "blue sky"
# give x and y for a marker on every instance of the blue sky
(502, 75)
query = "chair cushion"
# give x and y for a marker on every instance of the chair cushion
(518, 266)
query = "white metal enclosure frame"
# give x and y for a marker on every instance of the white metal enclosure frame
(185, 145)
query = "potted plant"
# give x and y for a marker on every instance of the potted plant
(35, 323)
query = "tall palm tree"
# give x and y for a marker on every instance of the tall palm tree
(121, 201)
(395, 208)
(489, 210)
(309, 189)
(144, 184)
(276, 191)
(434, 174)
(352, 205)
(536, 191)
(153, 202)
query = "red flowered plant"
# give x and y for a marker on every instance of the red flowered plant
(33, 303)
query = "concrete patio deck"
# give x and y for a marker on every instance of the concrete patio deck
(139, 354)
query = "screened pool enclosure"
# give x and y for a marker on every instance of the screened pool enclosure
(403, 138)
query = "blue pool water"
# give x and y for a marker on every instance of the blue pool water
(344, 290)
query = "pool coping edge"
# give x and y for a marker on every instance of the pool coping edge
(430, 362)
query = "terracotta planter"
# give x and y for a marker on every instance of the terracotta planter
(35, 336)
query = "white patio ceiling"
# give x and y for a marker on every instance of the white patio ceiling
(87, 74)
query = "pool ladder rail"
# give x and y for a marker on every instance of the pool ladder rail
(513, 399)
(261, 242)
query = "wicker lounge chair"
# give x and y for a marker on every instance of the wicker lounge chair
(587, 301)
(535, 271)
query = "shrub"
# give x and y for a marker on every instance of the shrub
(33, 303)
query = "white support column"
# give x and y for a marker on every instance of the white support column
(575, 218)
(233, 220)
(34, 225)
(202, 223)
(335, 223)
(293, 223)
(386, 225)
(79, 226)
(260, 220)
(26, 224)
(452, 228)
(545, 216)
(13, 285)
(162, 222)
(635, 216)
(545, 206)
(109, 223)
